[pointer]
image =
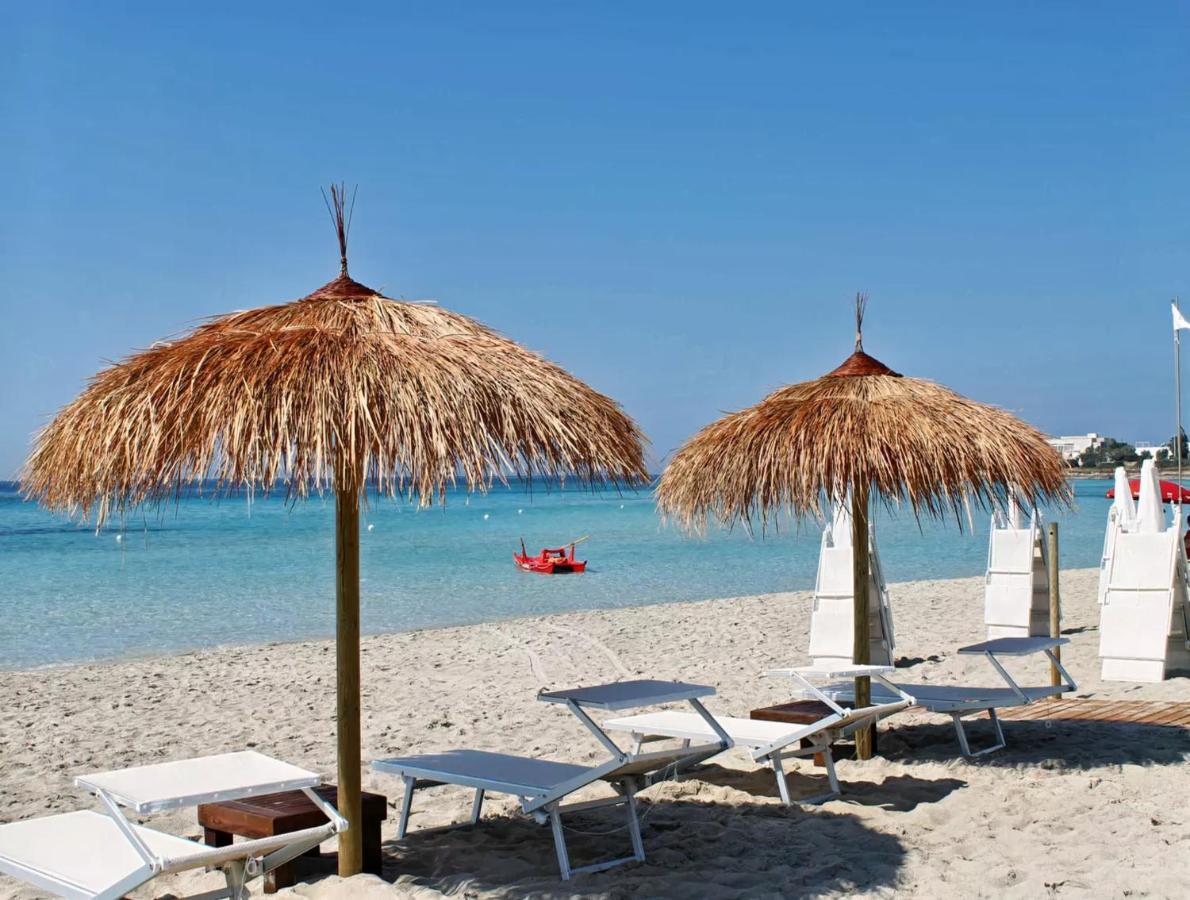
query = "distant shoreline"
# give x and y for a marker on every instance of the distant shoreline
(910, 587)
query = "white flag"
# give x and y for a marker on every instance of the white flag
(1179, 321)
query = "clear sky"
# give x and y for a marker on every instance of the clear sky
(677, 201)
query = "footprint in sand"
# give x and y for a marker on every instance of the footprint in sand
(597, 644)
(535, 664)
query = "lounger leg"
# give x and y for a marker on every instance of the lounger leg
(966, 748)
(235, 876)
(782, 784)
(406, 805)
(958, 727)
(638, 846)
(560, 842)
(1000, 742)
(829, 759)
(477, 806)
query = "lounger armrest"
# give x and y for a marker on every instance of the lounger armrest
(843, 670)
(876, 711)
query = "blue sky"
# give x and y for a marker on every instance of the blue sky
(677, 202)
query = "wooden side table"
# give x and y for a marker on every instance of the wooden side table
(802, 712)
(282, 813)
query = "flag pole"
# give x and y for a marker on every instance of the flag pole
(1177, 368)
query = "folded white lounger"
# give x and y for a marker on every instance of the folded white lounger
(773, 742)
(958, 701)
(542, 784)
(89, 854)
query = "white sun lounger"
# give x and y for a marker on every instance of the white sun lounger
(772, 742)
(832, 616)
(1016, 584)
(542, 784)
(1144, 617)
(90, 854)
(959, 701)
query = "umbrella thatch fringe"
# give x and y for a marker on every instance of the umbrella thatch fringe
(910, 440)
(345, 388)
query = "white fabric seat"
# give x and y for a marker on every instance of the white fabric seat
(99, 855)
(946, 697)
(691, 727)
(498, 772)
(175, 784)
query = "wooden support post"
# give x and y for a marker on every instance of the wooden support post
(1055, 600)
(861, 650)
(351, 842)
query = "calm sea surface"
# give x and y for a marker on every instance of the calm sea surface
(213, 572)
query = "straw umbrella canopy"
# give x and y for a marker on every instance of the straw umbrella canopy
(864, 432)
(335, 392)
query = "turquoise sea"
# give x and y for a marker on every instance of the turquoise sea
(206, 572)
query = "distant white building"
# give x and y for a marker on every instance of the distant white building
(1072, 446)
(1157, 451)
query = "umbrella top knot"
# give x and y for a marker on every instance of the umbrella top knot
(860, 364)
(343, 288)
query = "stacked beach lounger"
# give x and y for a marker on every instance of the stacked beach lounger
(1144, 618)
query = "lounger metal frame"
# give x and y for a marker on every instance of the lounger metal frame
(626, 772)
(960, 707)
(796, 742)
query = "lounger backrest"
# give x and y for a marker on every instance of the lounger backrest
(660, 760)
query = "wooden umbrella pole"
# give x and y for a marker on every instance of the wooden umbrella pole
(861, 651)
(1055, 601)
(351, 848)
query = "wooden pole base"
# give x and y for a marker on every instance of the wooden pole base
(351, 844)
(1055, 600)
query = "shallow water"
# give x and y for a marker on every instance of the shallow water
(212, 572)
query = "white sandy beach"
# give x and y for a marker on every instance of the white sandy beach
(1068, 809)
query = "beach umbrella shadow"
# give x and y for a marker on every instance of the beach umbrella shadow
(692, 848)
(1081, 744)
(896, 792)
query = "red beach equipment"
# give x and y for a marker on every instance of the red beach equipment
(551, 561)
(1170, 492)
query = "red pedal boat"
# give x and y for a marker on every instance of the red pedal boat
(551, 561)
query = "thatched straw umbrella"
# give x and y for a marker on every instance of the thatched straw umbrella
(340, 390)
(862, 432)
